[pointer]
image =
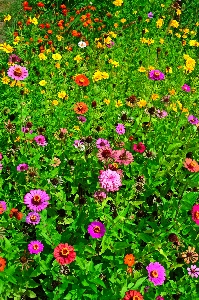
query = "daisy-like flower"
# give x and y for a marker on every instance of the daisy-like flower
(80, 108)
(17, 72)
(2, 264)
(78, 144)
(22, 167)
(82, 44)
(193, 271)
(186, 88)
(122, 157)
(110, 180)
(81, 119)
(140, 147)
(156, 273)
(190, 255)
(36, 200)
(120, 129)
(102, 143)
(195, 213)
(156, 75)
(104, 154)
(64, 254)
(33, 218)
(193, 120)
(133, 295)
(35, 247)
(129, 260)
(96, 229)
(82, 80)
(3, 207)
(40, 140)
(191, 165)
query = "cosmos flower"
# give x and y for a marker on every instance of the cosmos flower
(40, 140)
(120, 129)
(35, 247)
(64, 254)
(22, 167)
(186, 88)
(3, 207)
(140, 147)
(110, 180)
(17, 72)
(133, 295)
(190, 255)
(82, 80)
(82, 44)
(193, 120)
(33, 218)
(122, 157)
(156, 273)
(193, 271)
(191, 165)
(156, 75)
(102, 143)
(96, 229)
(36, 200)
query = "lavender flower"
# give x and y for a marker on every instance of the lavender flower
(96, 229)
(150, 15)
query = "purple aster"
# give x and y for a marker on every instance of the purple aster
(100, 143)
(40, 140)
(161, 113)
(99, 195)
(156, 75)
(35, 247)
(17, 72)
(14, 58)
(96, 229)
(159, 298)
(193, 120)
(186, 88)
(120, 129)
(33, 218)
(110, 180)
(156, 273)
(22, 167)
(36, 200)
(81, 119)
(3, 206)
(150, 15)
(193, 271)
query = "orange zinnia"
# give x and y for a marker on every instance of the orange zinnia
(129, 260)
(2, 263)
(82, 80)
(80, 108)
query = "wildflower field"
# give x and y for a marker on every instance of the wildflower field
(99, 160)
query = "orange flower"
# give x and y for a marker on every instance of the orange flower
(80, 108)
(82, 80)
(2, 263)
(15, 213)
(129, 260)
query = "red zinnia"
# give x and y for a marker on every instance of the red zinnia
(2, 263)
(82, 80)
(40, 4)
(80, 108)
(133, 295)
(64, 254)
(140, 147)
(191, 165)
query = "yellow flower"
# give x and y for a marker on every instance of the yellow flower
(48, 51)
(184, 36)
(186, 30)
(43, 82)
(178, 35)
(172, 92)
(174, 24)
(17, 139)
(173, 106)
(118, 2)
(112, 34)
(134, 12)
(6, 48)
(159, 23)
(78, 58)
(197, 23)
(118, 103)
(154, 96)
(169, 70)
(113, 62)
(142, 103)
(26, 91)
(57, 65)
(86, 97)
(42, 56)
(193, 32)
(55, 102)
(123, 20)
(107, 40)
(62, 94)
(105, 75)
(161, 41)
(16, 40)
(170, 31)
(5, 80)
(115, 25)
(56, 56)
(143, 40)
(185, 109)
(59, 38)
(34, 21)
(7, 18)
(76, 127)
(146, 30)
(192, 42)
(150, 41)
(99, 45)
(151, 68)
(107, 101)
(147, 20)
(162, 5)
(142, 69)
(178, 12)
(12, 83)
(43, 92)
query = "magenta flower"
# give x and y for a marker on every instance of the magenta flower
(156, 75)
(99, 195)
(104, 154)
(195, 213)
(193, 271)
(14, 58)
(35, 247)
(159, 298)
(96, 229)
(110, 180)
(100, 143)
(1, 167)
(26, 130)
(186, 88)
(140, 147)
(161, 113)
(193, 120)
(40, 140)
(3, 206)
(1, 156)
(81, 119)
(120, 129)
(36, 200)
(33, 218)
(17, 72)
(150, 15)
(22, 167)
(156, 273)
(122, 156)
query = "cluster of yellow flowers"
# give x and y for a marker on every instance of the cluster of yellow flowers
(113, 62)
(147, 41)
(194, 43)
(190, 63)
(175, 108)
(118, 2)
(142, 103)
(98, 75)
(159, 23)
(107, 39)
(7, 18)
(174, 23)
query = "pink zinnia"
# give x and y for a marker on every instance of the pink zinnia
(104, 154)
(156, 273)
(110, 180)
(22, 167)
(36, 200)
(35, 247)
(33, 218)
(191, 165)
(195, 213)
(100, 143)
(156, 75)
(17, 72)
(186, 88)
(64, 254)
(123, 157)
(120, 129)
(193, 271)
(3, 207)
(96, 229)
(140, 147)
(40, 140)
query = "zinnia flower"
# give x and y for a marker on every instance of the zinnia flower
(2, 264)
(129, 260)
(193, 120)
(33, 218)
(40, 140)
(195, 213)
(82, 44)
(150, 15)
(190, 255)
(193, 271)
(64, 254)
(140, 147)
(82, 80)
(81, 119)
(96, 229)
(120, 129)
(35, 247)
(156, 273)
(104, 154)
(110, 180)
(3, 207)
(22, 167)
(161, 114)
(13, 58)
(191, 165)
(15, 213)
(186, 88)
(17, 72)
(133, 295)
(80, 108)
(156, 75)
(159, 298)
(122, 156)
(100, 143)
(36, 200)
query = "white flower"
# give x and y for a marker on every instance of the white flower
(82, 44)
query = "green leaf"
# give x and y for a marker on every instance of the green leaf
(137, 284)
(31, 294)
(145, 237)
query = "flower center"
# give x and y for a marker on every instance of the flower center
(157, 74)
(65, 251)
(136, 298)
(33, 218)
(35, 247)
(106, 153)
(81, 80)
(193, 164)
(197, 215)
(154, 274)
(123, 156)
(36, 199)
(17, 72)
(96, 229)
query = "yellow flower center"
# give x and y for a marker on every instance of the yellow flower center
(193, 164)
(17, 72)
(197, 215)
(35, 247)
(36, 199)
(65, 251)
(96, 229)
(33, 218)
(136, 298)
(154, 274)
(81, 80)
(157, 73)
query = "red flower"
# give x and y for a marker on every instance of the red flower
(139, 147)
(62, 6)
(47, 25)
(41, 26)
(82, 80)
(191, 165)
(15, 213)
(195, 213)
(40, 4)
(2, 263)
(25, 3)
(64, 254)
(133, 295)
(27, 8)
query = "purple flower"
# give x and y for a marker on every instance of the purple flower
(186, 88)
(120, 129)
(35, 247)
(161, 113)
(17, 72)
(99, 195)
(156, 273)
(100, 143)
(110, 45)
(150, 15)
(3, 206)
(22, 167)
(81, 119)
(193, 271)
(33, 218)
(14, 58)
(36, 200)
(156, 75)
(26, 130)
(40, 140)
(1, 156)
(159, 298)
(110, 180)
(193, 120)
(96, 229)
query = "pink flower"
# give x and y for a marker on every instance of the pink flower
(122, 156)
(110, 180)
(156, 75)
(100, 143)
(191, 165)
(99, 195)
(120, 129)
(195, 213)
(36, 200)
(156, 273)
(140, 147)
(104, 154)
(22, 167)
(40, 140)
(17, 72)
(186, 88)
(35, 247)
(193, 271)
(96, 229)
(64, 254)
